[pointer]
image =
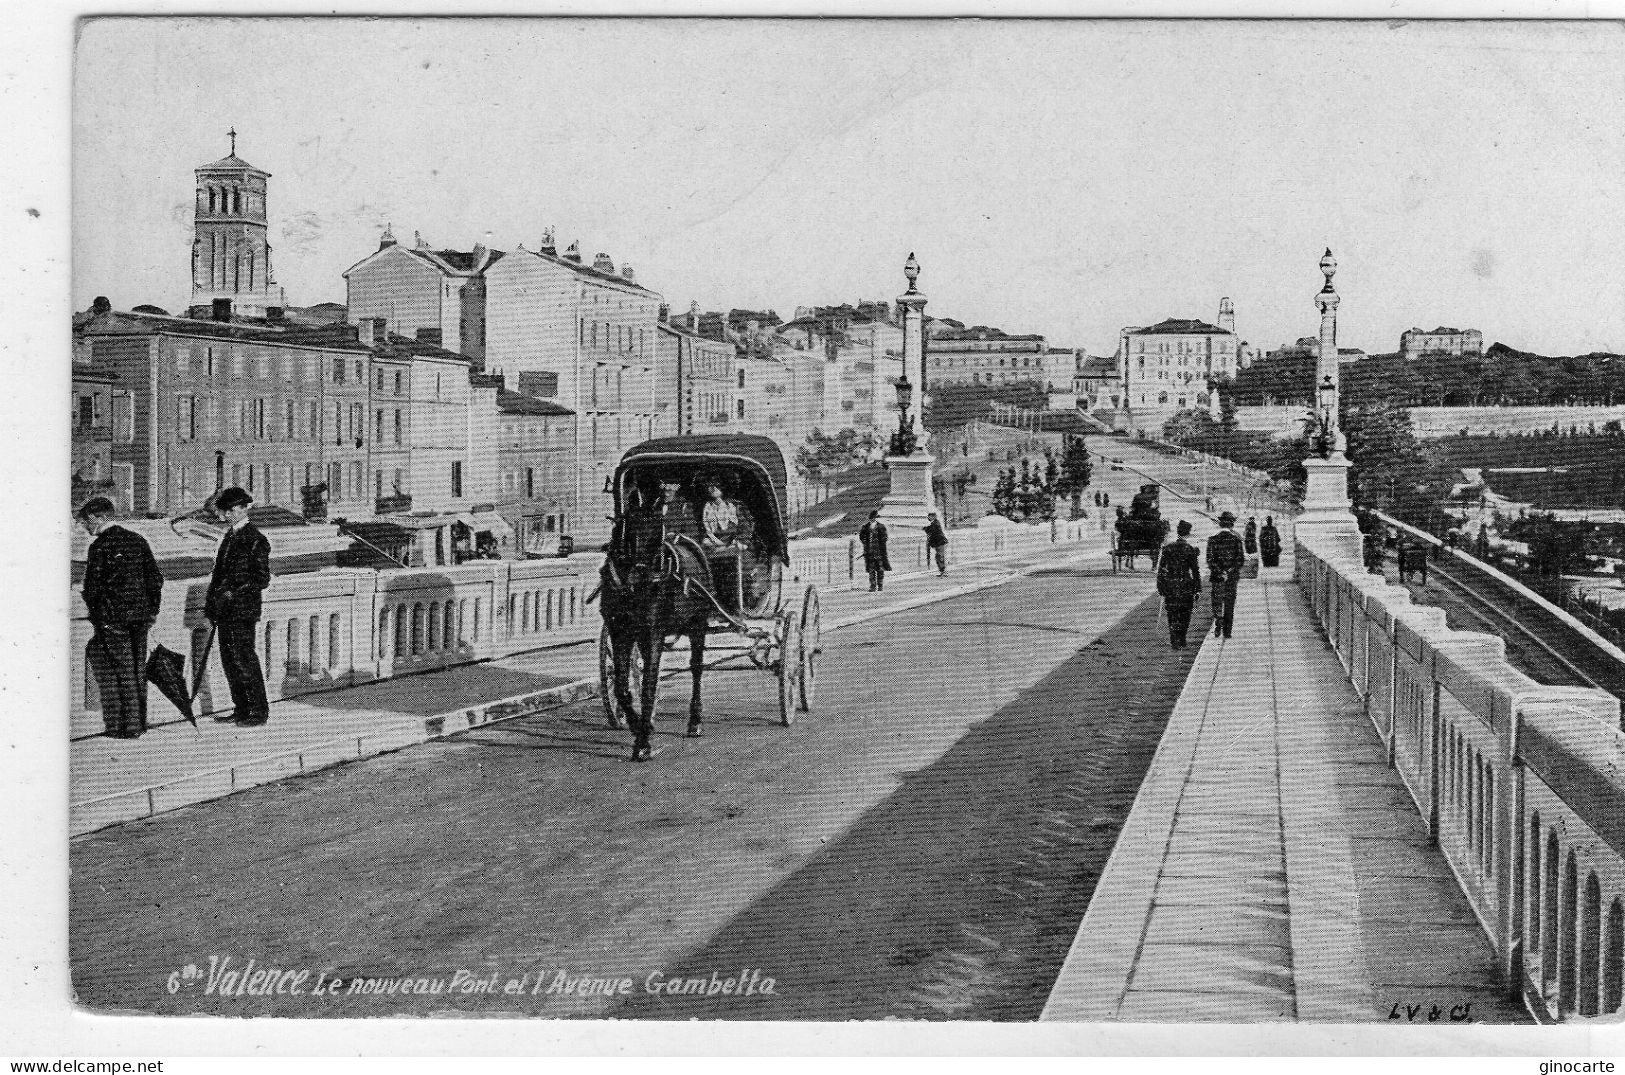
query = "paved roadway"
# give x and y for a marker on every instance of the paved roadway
(922, 846)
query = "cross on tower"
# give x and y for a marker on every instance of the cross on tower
(233, 134)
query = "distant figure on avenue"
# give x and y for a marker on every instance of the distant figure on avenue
(1179, 581)
(123, 589)
(872, 537)
(1269, 543)
(242, 568)
(1224, 561)
(936, 544)
(1249, 536)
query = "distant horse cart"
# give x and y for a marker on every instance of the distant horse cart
(1413, 559)
(698, 549)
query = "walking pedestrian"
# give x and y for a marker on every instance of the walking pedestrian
(242, 568)
(123, 589)
(1105, 500)
(1179, 581)
(1224, 560)
(1269, 543)
(936, 544)
(872, 536)
(1249, 537)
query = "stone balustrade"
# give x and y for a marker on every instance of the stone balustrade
(342, 626)
(1522, 784)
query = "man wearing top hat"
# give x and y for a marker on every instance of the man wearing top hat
(123, 589)
(242, 568)
(1225, 557)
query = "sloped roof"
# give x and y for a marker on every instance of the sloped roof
(1178, 326)
(232, 163)
(1099, 366)
(587, 270)
(516, 403)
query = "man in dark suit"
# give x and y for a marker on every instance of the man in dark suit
(1179, 581)
(123, 589)
(242, 568)
(872, 536)
(1225, 557)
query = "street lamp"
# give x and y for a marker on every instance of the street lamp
(902, 442)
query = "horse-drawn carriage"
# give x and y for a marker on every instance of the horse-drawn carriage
(1140, 533)
(699, 548)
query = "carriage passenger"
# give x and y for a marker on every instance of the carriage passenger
(725, 533)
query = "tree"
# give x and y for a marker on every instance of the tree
(824, 453)
(1554, 547)
(1188, 425)
(1075, 466)
(1385, 458)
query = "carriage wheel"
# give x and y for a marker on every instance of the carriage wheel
(812, 644)
(606, 678)
(789, 664)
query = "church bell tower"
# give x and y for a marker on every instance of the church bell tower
(231, 254)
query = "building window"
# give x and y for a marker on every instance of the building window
(397, 425)
(741, 378)
(338, 371)
(739, 408)
(378, 426)
(290, 421)
(183, 361)
(259, 419)
(530, 481)
(397, 382)
(313, 430)
(185, 417)
(338, 423)
(457, 479)
(380, 382)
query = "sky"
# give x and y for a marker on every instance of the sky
(1062, 177)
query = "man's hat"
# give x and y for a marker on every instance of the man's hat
(232, 498)
(1183, 528)
(1227, 519)
(96, 505)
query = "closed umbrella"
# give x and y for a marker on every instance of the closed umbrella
(166, 670)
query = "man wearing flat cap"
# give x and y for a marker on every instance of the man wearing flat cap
(242, 568)
(123, 589)
(1224, 559)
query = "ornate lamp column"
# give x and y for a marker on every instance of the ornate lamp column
(1326, 500)
(907, 461)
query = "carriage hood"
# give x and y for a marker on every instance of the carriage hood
(755, 464)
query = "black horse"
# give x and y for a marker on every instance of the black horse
(647, 596)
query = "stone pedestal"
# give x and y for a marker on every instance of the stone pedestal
(1327, 510)
(910, 499)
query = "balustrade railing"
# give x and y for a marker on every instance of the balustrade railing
(342, 626)
(1522, 784)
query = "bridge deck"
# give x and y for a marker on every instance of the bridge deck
(1273, 867)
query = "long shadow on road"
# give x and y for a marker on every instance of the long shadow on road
(959, 895)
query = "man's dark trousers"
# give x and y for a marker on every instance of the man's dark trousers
(241, 661)
(118, 658)
(1224, 601)
(1179, 620)
(877, 578)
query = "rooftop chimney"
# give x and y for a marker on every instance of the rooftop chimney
(694, 316)
(626, 273)
(548, 246)
(100, 305)
(601, 261)
(364, 332)
(665, 314)
(380, 329)
(417, 241)
(221, 309)
(573, 252)
(482, 252)
(386, 239)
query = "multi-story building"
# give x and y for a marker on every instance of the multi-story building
(1415, 342)
(534, 471)
(982, 355)
(1097, 382)
(334, 421)
(862, 350)
(1168, 366)
(697, 376)
(434, 295)
(92, 437)
(231, 253)
(590, 332)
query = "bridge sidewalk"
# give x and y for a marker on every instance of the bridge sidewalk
(175, 765)
(1273, 866)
